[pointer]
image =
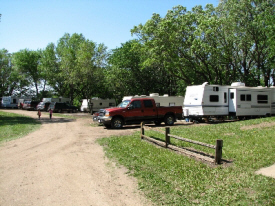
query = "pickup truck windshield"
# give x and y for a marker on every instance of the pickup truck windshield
(123, 104)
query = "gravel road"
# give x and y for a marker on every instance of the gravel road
(61, 164)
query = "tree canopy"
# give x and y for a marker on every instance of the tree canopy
(234, 41)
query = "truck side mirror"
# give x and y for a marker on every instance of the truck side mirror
(130, 107)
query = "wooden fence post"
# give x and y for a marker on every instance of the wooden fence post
(141, 130)
(218, 155)
(167, 137)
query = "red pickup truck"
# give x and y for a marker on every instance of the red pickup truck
(139, 110)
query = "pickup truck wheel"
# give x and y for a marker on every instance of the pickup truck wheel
(117, 123)
(169, 120)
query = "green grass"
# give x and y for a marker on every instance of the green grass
(13, 126)
(168, 178)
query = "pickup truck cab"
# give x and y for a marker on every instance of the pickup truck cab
(139, 110)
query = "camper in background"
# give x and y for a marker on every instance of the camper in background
(165, 100)
(10, 102)
(95, 104)
(203, 102)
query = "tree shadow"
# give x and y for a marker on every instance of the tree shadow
(5, 120)
(54, 120)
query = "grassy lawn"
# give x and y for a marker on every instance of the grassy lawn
(168, 178)
(13, 126)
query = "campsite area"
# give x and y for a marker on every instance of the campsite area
(62, 163)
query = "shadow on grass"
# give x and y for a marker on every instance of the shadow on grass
(15, 120)
(10, 121)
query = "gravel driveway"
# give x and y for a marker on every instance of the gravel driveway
(61, 164)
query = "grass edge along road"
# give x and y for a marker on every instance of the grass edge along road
(13, 126)
(168, 178)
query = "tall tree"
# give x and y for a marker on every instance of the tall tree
(129, 74)
(218, 45)
(90, 64)
(50, 66)
(67, 48)
(27, 64)
(248, 26)
(9, 81)
(74, 67)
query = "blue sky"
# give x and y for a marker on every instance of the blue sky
(33, 24)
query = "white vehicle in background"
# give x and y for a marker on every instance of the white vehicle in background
(165, 100)
(21, 101)
(45, 103)
(9, 102)
(218, 101)
(95, 104)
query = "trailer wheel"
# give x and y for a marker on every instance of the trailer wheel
(169, 120)
(117, 123)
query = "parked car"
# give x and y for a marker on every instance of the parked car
(43, 106)
(139, 110)
(61, 107)
(30, 105)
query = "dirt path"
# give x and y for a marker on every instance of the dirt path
(61, 164)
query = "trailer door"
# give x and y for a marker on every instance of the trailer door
(232, 100)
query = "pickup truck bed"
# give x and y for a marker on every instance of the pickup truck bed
(139, 110)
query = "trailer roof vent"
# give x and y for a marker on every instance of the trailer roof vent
(154, 94)
(238, 84)
(166, 95)
(204, 84)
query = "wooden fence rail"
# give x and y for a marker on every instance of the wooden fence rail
(217, 147)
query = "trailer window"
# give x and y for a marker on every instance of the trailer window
(172, 104)
(100, 103)
(246, 97)
(214, 98)
(14, 101)
(225, 97)
(262, 99)
(231, 95)
(148, 103)
(112, 104)
(216, 89)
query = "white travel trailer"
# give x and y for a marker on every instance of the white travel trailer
(164, 100)
(96, 104)
(10, 102)
(206, 101)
